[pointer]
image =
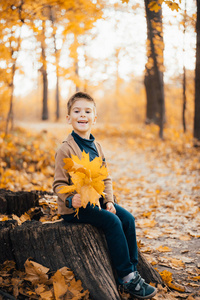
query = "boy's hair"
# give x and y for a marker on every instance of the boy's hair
(77, 96)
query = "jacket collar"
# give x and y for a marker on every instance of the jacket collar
(70, 140)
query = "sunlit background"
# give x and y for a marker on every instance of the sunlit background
(110, 64)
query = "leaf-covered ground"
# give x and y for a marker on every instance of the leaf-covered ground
(158, 181)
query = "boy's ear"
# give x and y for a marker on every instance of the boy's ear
(68, 119)
(95, 119)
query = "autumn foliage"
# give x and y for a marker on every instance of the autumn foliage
(157, 181)
(87, 177)
(37, 282)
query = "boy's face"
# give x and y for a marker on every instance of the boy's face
(82, 116)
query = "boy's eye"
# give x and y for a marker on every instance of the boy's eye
(76, 111)
(87, 112)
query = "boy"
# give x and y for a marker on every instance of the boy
(116, 222)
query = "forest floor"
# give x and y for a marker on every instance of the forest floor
(157, 181)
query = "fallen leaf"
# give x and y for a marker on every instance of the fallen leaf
(164, 249)
(59, 285)
(67, 273)
(76, 289)
(167, 278)
(35, 272)
(47, 295)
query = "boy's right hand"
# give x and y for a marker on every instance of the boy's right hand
(76, 201)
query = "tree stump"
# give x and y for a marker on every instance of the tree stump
(80, 247)
(17, 202)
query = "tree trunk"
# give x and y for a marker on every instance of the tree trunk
(74, 53)
(184, 99)
(197, 78)
(155, 54)
(10, 113)
(45, 114)
(57, 98)
(80, 247)
(77, 74)
(151, 96)
(10, 116)
(184, 72)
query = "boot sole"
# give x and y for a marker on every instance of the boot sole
(145, 297)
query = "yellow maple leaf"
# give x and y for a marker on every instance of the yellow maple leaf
(172, 5)
(87, 177)
(167, 278)
(164, 249)
(153, 6)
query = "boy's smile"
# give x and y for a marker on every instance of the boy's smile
(82, 116)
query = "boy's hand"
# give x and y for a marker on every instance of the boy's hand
(110, 207)
(76, 201)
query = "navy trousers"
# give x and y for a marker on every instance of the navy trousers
(120, 233)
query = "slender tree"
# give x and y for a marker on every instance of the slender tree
(184, 70)
(10, 31)
(197, 78)
(56, 52)
(10, 116)
(43, 69)
(154, 68)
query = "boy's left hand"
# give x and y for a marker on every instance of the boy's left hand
(110, 207)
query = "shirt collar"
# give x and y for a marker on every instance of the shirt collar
(79, 138)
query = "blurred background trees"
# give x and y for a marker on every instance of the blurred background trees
(125, 54)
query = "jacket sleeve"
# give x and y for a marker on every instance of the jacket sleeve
(108, 182)
(61, 177)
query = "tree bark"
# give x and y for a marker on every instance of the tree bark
(43, 69)
(10, 116)
(197, 78)
(184, 99)
(57, 97)
(154, 32)
(81, 247)
(184, 72)
(17, 202)
(152, 107)
(10, 113)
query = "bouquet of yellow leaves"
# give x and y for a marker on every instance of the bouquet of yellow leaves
(87, 177)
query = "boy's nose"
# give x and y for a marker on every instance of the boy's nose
(83, 113)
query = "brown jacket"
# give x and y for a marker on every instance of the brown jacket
(61, 177)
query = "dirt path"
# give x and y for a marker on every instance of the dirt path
(165, 200)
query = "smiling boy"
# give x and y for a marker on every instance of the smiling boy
(117, 223)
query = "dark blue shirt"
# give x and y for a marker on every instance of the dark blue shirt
(87, 145)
